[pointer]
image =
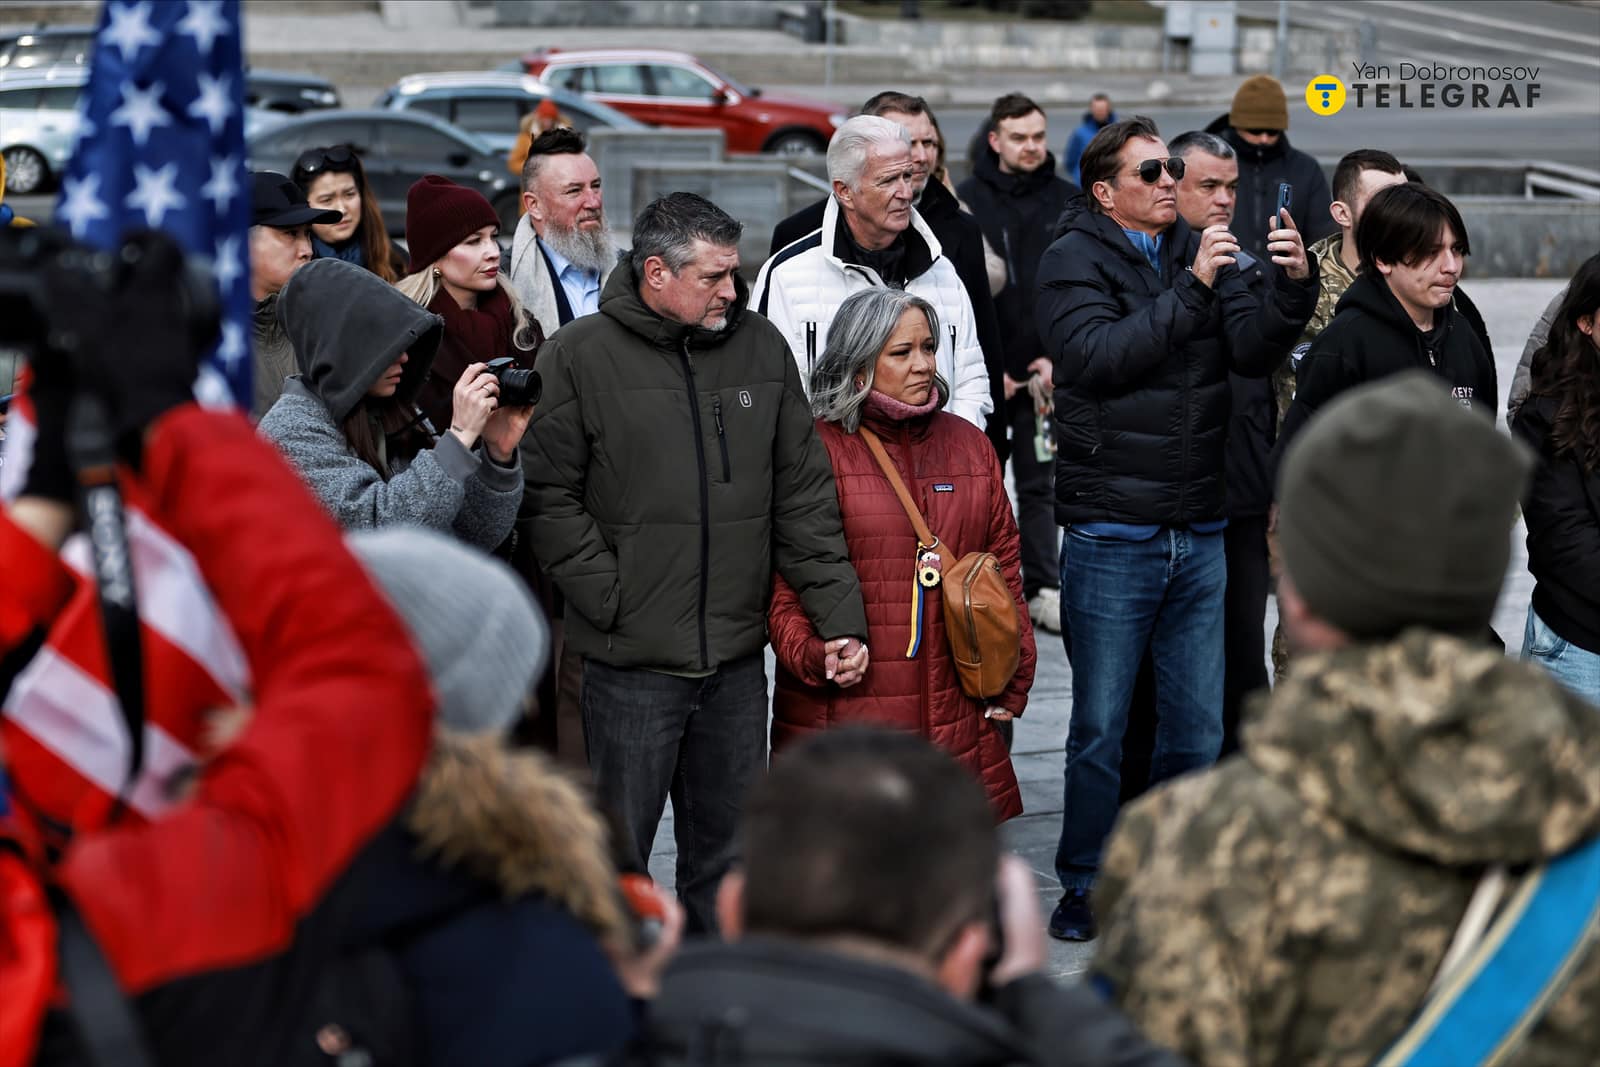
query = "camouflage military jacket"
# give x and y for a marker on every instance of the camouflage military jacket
(1292, 905)
(1333, 278)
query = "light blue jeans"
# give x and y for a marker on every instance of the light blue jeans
(1576, 668)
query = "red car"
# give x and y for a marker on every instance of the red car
(676, 89)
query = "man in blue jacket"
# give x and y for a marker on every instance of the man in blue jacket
(1143, 319)
(1097, 118)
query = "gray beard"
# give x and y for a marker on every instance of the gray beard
(587, 250)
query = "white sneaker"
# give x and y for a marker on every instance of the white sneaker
(1045, 610)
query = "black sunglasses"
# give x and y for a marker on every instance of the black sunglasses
(315, 160)
(1264, 133)
(1150, 170)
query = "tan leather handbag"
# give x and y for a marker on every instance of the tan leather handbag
(980, 617)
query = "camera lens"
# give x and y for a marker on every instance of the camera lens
(518, 387)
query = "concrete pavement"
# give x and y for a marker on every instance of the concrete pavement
(1510, 308)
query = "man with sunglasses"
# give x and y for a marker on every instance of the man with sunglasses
(1255, 127)
(1144, 319)
(280, 244)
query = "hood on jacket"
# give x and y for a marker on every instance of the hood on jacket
(1248, 153)
(511, 818)
(1077, 217)
(1371, 294)
(986, 168)
(620, 300)
(348, 326)
(1435, 746)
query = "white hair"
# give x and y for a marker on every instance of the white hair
(854, 141)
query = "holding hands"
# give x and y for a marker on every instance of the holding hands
(846, 661)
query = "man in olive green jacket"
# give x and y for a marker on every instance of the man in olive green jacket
(674, 466)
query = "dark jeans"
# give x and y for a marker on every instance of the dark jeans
(1036, 502)
(1244, 614)
(703, 741)
(1117, 599)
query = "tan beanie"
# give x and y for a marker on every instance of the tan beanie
(1259, 105)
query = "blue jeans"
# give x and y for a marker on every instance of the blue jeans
(703, 741)
(1117, 599)
(1576, 668)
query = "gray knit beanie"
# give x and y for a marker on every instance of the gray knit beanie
(1395, 509)
(484, 640)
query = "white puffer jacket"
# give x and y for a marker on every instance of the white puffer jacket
(800, 290)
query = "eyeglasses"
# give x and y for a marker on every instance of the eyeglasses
(1149, 171)
(1264, 133)
(314, 161)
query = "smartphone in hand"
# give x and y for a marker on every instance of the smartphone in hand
(1285, 190)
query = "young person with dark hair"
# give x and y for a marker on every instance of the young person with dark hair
(1399, 312)
(861, 929)
(1561, 419)
(333, 179)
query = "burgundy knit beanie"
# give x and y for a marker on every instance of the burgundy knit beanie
(439, 215)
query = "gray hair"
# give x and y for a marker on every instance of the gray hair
(669, 226)
(861, 328)
(1199, 141)
(854, 141)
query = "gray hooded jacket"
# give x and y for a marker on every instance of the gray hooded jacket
(348, 326)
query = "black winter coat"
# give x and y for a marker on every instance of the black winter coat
(1142, 398)
(961, 241)
(1260, 171)
(762, 1002)
(1253, 426)
(1017, 212)
(675, 468)
(1371, 337)
(1562, 509)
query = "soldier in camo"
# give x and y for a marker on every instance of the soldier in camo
(1358, 176)
(1292, 905)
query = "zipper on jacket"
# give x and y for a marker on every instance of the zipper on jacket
(811, 352)
(954, 362)
(722, 437)
(705, 497)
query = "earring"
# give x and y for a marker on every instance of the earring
(436, 273)
(860, 381)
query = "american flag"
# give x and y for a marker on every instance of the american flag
(161, 145)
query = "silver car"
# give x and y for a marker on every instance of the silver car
(491, 104)
(38, 127)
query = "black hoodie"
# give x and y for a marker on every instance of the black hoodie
(1016, 212)
(1372, 337)
(1261, 168)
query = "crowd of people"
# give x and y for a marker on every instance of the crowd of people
(490, 573)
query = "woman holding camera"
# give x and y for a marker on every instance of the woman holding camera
(349, 421)
(879, 373)
(452, 233)
(333, 179)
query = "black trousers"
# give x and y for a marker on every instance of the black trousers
(1036, 502)
(1244, 617)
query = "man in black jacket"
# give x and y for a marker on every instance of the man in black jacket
(676, 469)
(1015, 195)
(957, 232)
(1399, 313)
(1256, 127)
(1144, 319)
(862, 930)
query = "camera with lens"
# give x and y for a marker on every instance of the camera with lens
(519, 387)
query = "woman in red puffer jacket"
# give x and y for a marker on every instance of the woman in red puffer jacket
(879, 372)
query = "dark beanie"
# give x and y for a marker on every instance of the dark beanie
(1259, 105)
(439, 215)
(1395, 509)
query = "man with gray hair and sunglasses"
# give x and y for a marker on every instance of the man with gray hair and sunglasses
(871, 235)
(1143, 318)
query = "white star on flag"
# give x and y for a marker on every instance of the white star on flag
(155, 195)
(228, 268)
(204, 23)
(130, 29)
(231, 350)
(223, 183)
(81, 203)
(141, 111)
(212, 104)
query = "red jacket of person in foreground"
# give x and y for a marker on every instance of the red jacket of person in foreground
(951, 470)
(342, 722)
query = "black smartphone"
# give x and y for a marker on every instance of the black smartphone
(1285, 190)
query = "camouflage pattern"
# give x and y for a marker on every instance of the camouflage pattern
(1292, 905)
(1333, 278)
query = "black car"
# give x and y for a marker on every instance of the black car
(276, 90)
(396, 148)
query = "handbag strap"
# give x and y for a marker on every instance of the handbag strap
(925, 536)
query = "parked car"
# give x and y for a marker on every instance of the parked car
(396, 148)
(491, 104)
(38, 127)
(676, 89)
(293, 94)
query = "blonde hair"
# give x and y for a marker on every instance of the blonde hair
(422, 286)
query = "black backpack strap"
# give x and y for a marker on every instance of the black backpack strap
(99, 1011)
